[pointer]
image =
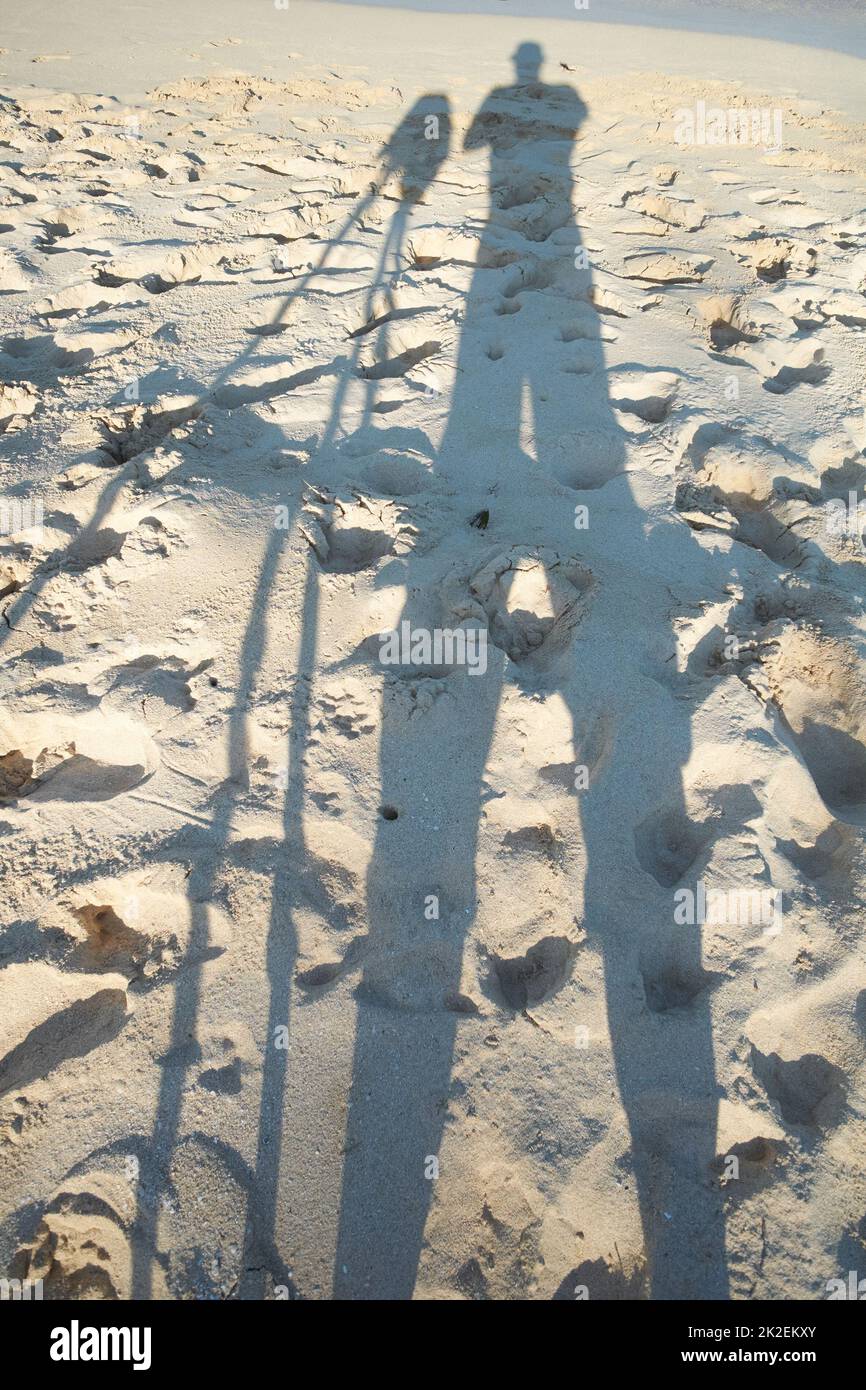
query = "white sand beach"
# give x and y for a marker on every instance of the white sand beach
(433, 766)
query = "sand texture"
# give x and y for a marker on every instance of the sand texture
(526, 963)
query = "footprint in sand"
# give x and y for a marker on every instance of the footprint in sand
(82, 1247)
(65, 758)
(51, 1016)
(650, 396)
(817, 686)
(145, 933)
(18, 401)
(352, 534)
(531, 599)
(13, 276)
(731, 483)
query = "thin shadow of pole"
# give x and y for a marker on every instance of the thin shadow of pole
(156, 1163)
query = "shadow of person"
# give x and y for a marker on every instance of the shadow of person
(406, 164)
(530, 438)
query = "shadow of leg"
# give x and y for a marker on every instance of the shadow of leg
(421, 902)
(660, 1024)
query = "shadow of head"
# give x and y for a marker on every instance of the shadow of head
(527, 59)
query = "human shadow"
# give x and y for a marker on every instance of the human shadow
(405, 165)
(530, 416)
(409, 1002)
(408, 162)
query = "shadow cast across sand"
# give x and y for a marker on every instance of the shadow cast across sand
(408, 1011)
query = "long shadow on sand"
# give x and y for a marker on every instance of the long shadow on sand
(408, 1019)
(432, 770)
(412, 161)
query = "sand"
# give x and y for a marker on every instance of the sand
(433, 766)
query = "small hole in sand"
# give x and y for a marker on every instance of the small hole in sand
(388, 812)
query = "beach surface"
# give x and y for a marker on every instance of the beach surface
(432, 707)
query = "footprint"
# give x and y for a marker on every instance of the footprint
(606, 301)
(666, 268)
(326, 972)
(587, 460)
(817, 685)
(66, 222)
(650, 396)
(396, 353)
(498, 1232)
(398, 474)
(110, 944)
(50, 1016)
(588, 743)
(784, 366)
(85, 298)
(532, 599)
(18, 401)
(673, 212)
(66, 352)
(351, 535)
(521, 190)
(841, 465)
(13, 277)
(157, 272)
(809, 1090)
(584, 329)
(82, 1247)
(668, 842)
(144, 933)
(757, 1144)
(534, 219)
(605, 1279)
(771, 258)
(583, 362)
(829, 861)
(125, 433)
(540, 839)
(731, 487)
(425, 249)
(755, 1159)
(160, 684)
(671, 986)
(86, 757)
(346, 710)
(75, 350)
(537, 275)
(726, 321)
(232, 1055)
(526, 981)
(265, 383)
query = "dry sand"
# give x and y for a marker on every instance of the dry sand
(327, 977)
